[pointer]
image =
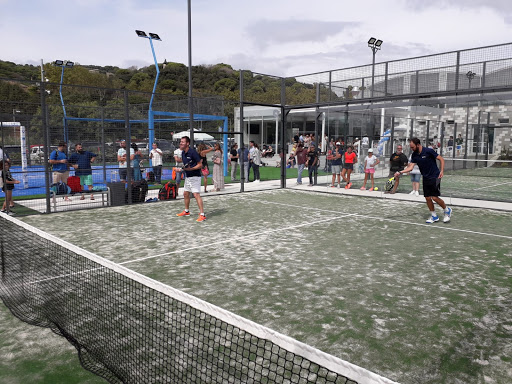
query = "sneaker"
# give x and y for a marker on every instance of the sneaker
(416, 193)
(432, 219)
(310, 185)
(184, 213)
(333, 186)
(447, 215)
(339, 185)
(3, 211)
(201, 218)
(412, 193)
(346, 186)
(349, 185)
(363, 188)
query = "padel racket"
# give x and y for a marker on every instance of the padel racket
(390, 184)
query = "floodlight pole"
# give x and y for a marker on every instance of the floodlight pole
(190, 100)
(151, 120)
(374, 50)
(374, 45)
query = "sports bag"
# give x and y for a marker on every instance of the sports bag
(60, 188)
(167, 192)
(74, 184)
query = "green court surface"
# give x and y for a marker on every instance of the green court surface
(365, 280)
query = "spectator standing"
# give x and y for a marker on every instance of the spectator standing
(60, 167)
(415, 179)
(450, 146)
(156, 155)
(397, 162)
(312, 163)
(8, 186)
(81, 161)
(137, 158)
(202, 149)
(233, 156)
(350, 158)
(458, 141)
(178, 170)
(243, 155)
(336, 159)
(218, 175)
(256, 161)
(121, 157)
(192, 165)
(370, 162)
(302, 155)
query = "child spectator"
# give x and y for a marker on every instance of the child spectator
(370, 162)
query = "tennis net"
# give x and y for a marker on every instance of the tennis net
(129, 328)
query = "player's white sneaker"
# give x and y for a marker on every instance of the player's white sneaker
(447, 215)
(416, 193)
(412, 192)
(432, 219)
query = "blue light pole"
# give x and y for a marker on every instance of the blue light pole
(151, 121)
(63, 64)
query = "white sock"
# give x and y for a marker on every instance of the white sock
(433, 213)
(186, 210)
(447, 209)
(202, 213)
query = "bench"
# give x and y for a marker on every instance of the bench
(105, 198)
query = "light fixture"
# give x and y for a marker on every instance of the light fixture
(141, 33)
(69, 64)
(154, 36)
(375, 45)
(58, 63)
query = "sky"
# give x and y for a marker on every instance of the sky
(274, 37)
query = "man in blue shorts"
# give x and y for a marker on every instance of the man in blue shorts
(425, 158)
(192, 164)
(81, 161)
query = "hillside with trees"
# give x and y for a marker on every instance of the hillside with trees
(208, 80)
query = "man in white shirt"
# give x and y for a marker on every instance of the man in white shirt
(178, 170)
(156, 157)
(121, 157)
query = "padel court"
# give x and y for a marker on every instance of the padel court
(365, 280)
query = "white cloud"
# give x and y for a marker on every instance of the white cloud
(276, 37)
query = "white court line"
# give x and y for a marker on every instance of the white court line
(239, 238)
(494, 185)
(392, 220)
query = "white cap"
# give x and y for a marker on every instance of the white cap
(370, 150)
(338, 143)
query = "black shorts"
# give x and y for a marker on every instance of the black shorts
(348, 166)
(431, 187)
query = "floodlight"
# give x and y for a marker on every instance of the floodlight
(154, 36)
(372, 41)
(378, 43)
(69, 64)
(470, 75)
(60, 63)
(141, 33)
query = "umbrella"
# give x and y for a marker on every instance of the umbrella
(198, 136)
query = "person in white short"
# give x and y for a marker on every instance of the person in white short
(415, 179)
(192, 164)
(370, 162)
